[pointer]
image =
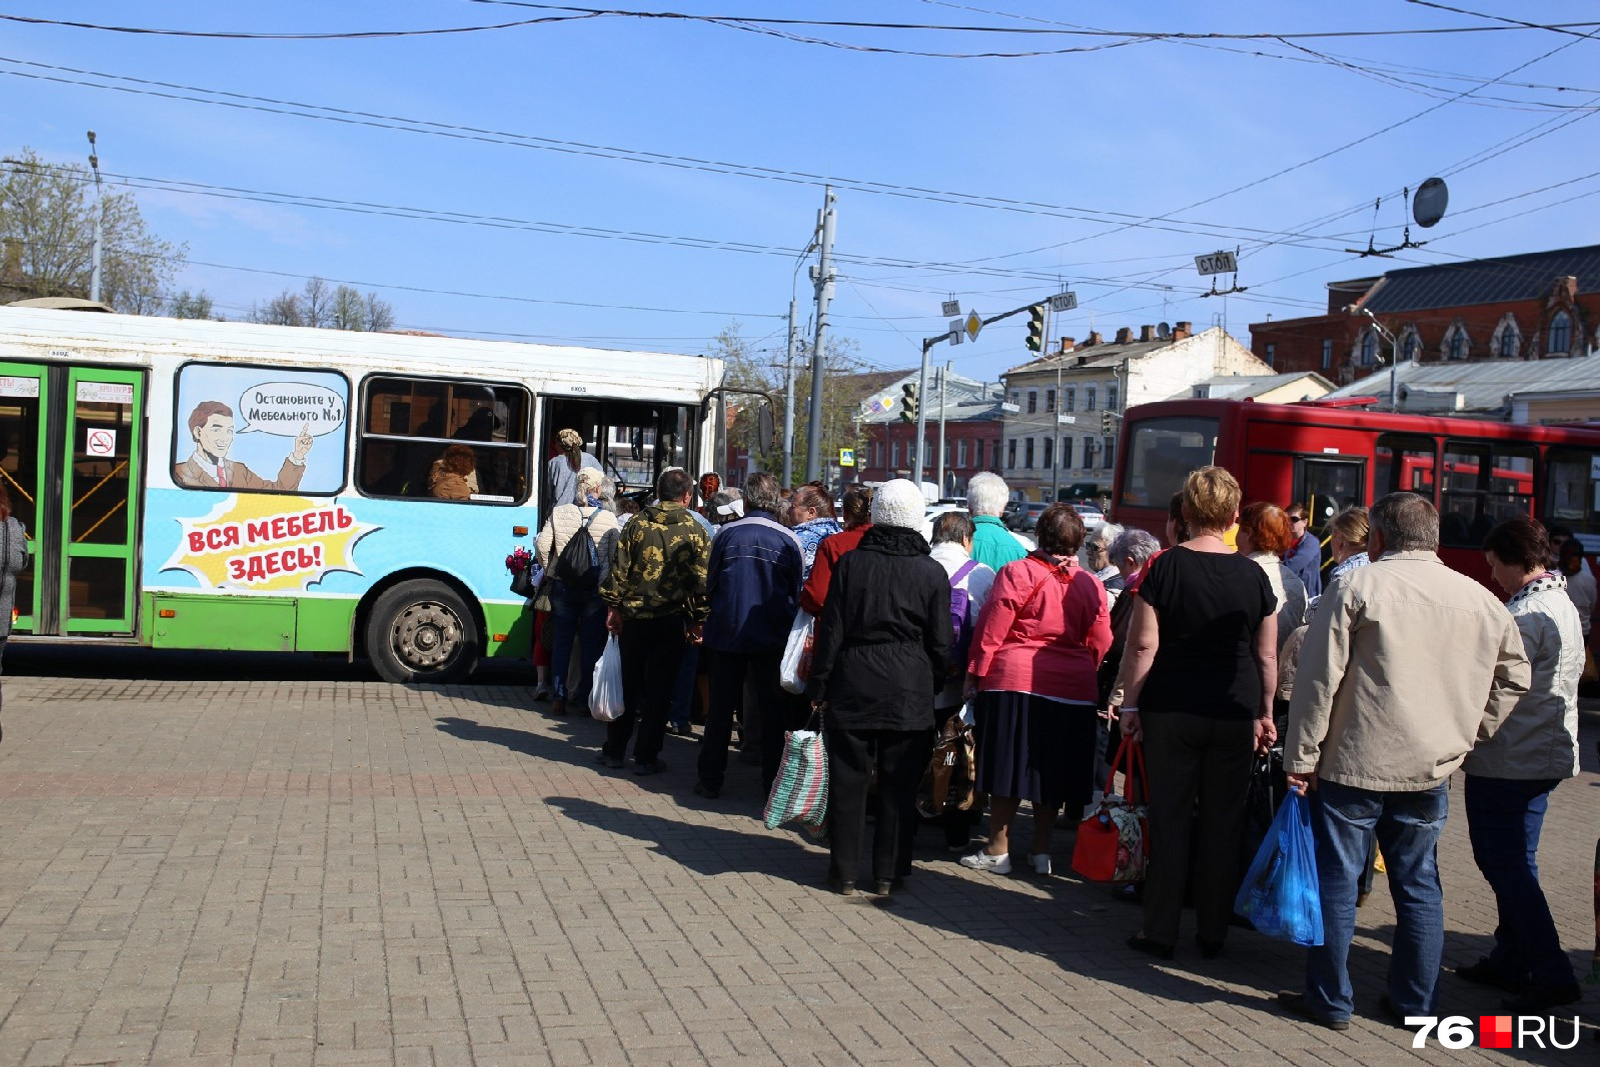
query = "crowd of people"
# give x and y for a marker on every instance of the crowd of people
(1233, 640)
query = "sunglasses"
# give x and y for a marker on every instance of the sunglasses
(1297, 518)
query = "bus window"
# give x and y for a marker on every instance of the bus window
(1403, 464)
(242, 428)
(408, 424)
(1161, 453)
(1571, 494)
(1481, 483)
(1326, 487)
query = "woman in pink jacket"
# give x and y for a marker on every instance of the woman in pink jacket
(1041, 636)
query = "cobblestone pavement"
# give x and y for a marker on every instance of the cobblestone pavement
(330, 871)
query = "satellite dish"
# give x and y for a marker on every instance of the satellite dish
(1164, 332)
(1427, 207)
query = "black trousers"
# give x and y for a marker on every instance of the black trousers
(651, 651)
(774, 708)
(900, 757)
(1190, 758)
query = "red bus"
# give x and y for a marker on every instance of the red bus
(1329, 456)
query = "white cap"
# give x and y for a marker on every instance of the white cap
(898, 503)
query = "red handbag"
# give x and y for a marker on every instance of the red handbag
(1113, 842)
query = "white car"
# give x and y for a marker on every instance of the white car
(1093, 518)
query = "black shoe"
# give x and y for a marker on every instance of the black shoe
(844, 889)
(1539, 999)
(1295, 1004)
(650, 766)
(1208, 949)
(1485, 973)
(605, 760)
(1140, 943)
(883, 887)
(1387, 1009)
(703, 790)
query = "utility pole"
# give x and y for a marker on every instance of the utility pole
(1055, 452)
(822, 275)
(944, 380)
(99, 221)
(921, 463)
(788, 406)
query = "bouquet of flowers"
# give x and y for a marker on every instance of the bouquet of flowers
(525, 572)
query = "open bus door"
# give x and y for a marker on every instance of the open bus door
(73, 449)
(633, 440)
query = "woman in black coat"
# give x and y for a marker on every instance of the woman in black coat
(882, 651)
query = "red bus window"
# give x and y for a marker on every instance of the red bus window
(1481, 483)
(1403, 464)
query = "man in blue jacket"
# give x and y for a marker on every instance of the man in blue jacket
(1305, 559)
(754, 586)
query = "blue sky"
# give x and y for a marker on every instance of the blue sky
(1113, 146)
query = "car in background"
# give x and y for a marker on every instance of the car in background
(1093, 518)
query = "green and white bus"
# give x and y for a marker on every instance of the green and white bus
(232, 486)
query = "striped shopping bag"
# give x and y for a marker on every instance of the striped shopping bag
(800, 791)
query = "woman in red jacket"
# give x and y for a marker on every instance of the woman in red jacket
(1041, 636)
(857, 514)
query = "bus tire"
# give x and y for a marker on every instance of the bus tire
(422, 631)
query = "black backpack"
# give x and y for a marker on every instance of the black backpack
(578, 565)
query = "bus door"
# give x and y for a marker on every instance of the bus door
(72, 442)
(633, 440)
(1326, 486)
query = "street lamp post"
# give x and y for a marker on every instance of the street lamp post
(99, 221)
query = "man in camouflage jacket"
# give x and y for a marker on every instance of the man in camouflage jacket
(656, 592)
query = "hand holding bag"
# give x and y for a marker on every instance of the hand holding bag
(605, 690)
(800, 791)
(1113, 842)
(795, 668)
(1280, 895)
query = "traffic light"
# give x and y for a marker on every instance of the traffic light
(908, 402)
(1035, 340)
(1105, 423)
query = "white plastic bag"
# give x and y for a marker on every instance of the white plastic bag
(795, 668)
(605, 693)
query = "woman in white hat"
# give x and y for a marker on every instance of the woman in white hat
(882, 652)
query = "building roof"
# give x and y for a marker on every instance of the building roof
(1484, 281)
(1241, 386)
(1479, 388)
(966, 399)
(1100, 356)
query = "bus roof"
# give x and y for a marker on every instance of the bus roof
(132, 340)
(1315, 414)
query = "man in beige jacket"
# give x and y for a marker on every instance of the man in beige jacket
(1406, 666)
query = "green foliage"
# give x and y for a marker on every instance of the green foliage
(47, 214)
(187, 305)
(765, 372)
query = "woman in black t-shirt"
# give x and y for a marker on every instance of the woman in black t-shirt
(1203, 645)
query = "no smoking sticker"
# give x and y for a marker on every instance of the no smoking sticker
(101, 443)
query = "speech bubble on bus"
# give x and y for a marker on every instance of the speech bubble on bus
(283, 409)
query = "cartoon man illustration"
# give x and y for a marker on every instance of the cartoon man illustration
(211, 426)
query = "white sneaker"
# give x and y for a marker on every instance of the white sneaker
(982, 861)
(1041, 863)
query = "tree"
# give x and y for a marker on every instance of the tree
(840, 406)
(48, 210)
(187, 305)
(341, 308)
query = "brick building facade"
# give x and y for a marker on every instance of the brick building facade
(1532, 306)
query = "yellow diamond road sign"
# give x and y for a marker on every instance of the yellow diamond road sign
(974, 324)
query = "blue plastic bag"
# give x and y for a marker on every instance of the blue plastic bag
(1280, 895)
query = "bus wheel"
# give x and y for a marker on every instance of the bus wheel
(422, 631)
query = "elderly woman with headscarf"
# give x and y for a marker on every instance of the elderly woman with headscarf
(562, 470)
(882, 652)
(577, 614)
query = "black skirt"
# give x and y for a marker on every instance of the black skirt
(1036, 749)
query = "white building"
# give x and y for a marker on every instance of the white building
(1069, 404)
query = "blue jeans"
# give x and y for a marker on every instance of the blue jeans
(1408, 826)
(683, 688)
(575, 616)
(1504, 817)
